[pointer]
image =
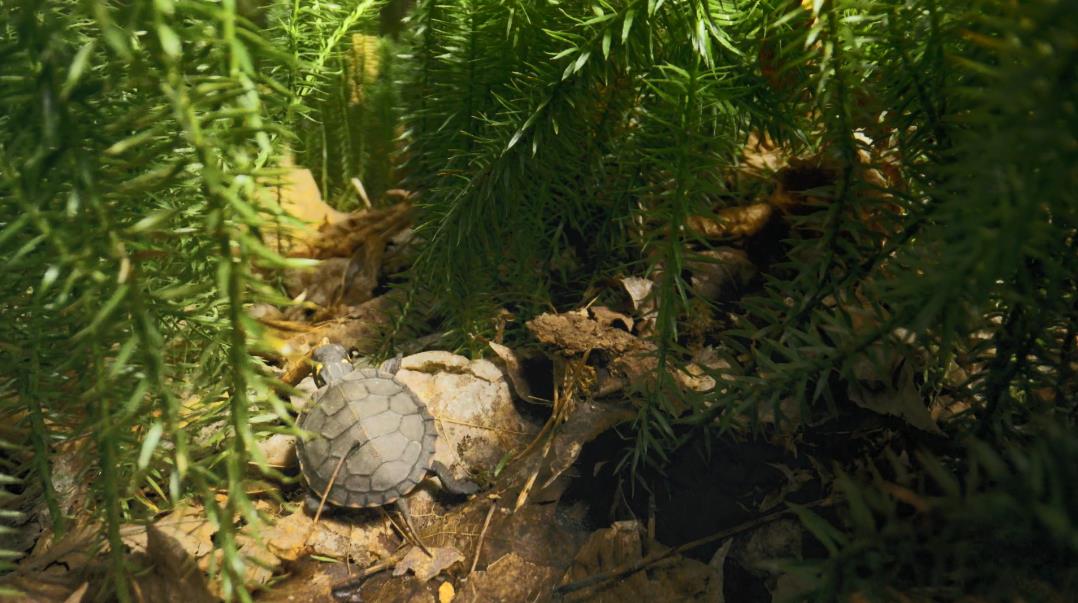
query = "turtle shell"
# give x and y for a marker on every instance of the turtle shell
(386, 432)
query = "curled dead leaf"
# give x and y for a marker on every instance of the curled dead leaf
(426, 566)
(734, 222)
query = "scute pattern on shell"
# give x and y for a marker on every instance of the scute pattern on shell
(393, 428)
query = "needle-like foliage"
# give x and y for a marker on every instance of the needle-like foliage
(342, 109)
(552, 146)
(556, 144)
(134, 138)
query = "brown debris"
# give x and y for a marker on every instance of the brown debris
(624, 361)
(720, 274)
(670, 578)
(175, 576)
(574, 333)
(509, 578)
(425, 566)
(732, 222)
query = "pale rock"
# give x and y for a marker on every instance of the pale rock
(473, 407)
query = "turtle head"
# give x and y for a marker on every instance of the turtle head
(331, 364)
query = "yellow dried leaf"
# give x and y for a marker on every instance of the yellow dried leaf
(446, 592)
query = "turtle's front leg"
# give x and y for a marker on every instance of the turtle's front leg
(451, 484)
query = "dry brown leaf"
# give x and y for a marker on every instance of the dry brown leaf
(358, 329)
(609, 318)
(629, 360)
(639, 290)
(883, 382)
(588, 421)
(761, 157)
(174, 576)
(673, 579)
(189, 527)
(718, 564)
(575, 334)
(426, 566)
(341, 239)
(297, 194)
(732, 222)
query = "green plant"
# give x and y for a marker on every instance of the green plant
(135, 138)
(551, 145)
(998, 523)
(555, 145)
(342, 109)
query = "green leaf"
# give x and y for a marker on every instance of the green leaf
(105, 312)
(149, 445)
(826, 533)
(151, 221)
(170, 42)
(78, 68)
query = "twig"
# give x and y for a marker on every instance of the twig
(385, 564)
(483, 532)
(325, 493)
(393, 523)
(652, 559)
(530, 482)
(477, 426)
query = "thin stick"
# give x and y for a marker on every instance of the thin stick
(652, 559)
(385, 564)
(483, 532)
(477, 426)
(325, 494)
(530, 483)
(393, 522)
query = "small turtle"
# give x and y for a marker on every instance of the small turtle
(373, 438)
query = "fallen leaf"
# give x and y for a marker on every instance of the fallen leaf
(190, 528)
(174, 576)
(609, 318)
(883, 382)
(728, 222)
(639, 290)
(426, 566)
(587, 422)
(297, 194)
(446, 592)
(757, 550)
(617, 547)
(718, 563)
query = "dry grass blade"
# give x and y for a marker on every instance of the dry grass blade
(483, 532)
(325, 493)
(654, 558)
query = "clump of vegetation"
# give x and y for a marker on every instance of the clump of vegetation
(135, 138)
(552, 147)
